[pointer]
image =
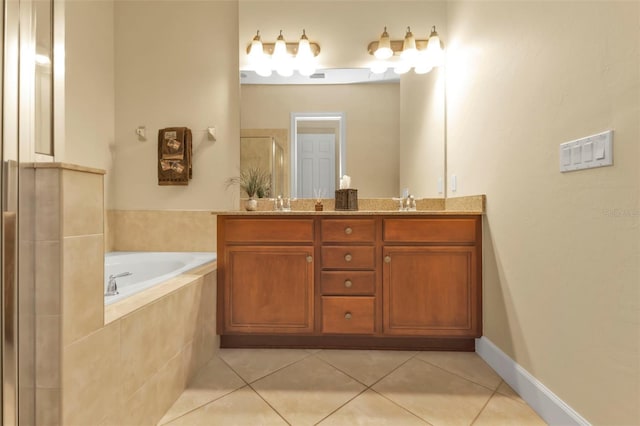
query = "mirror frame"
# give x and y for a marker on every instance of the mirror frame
(340, 117)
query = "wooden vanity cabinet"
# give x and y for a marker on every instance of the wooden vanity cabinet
(350, 281)
(431, 277)
(266, 276)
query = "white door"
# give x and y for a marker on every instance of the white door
(316, 164)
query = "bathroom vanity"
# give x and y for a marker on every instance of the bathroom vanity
(402, 280)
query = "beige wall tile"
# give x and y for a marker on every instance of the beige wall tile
(47, 271)
(47, 204)
(140, 341)
(48, 351)
(190, 309)
(26, 406)
(141, 407)
(26, 349)
(82, 203)
(91, 371)
(148, 230)
(83, 286)
(47, 407)
(208, 302)
(171, 381)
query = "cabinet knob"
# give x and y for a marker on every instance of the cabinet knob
(387, 259)
(309, 259)
(348, 230)
(347, 257)
(348, 283)
(347, 315)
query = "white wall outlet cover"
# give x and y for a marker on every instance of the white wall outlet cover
(141, 131)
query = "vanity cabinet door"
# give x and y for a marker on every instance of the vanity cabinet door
(431, 291)
(269, 289)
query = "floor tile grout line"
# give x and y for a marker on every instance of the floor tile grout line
(461, 376)
(231, 368)
(201, 406)
(334, 411)
(271, 372)
(402, 407)
(214, 399)
(483, 408)
(340, 370)
(390, 372)
(270, 406)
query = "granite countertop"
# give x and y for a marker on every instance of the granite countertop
(469, 205)
(348, 213)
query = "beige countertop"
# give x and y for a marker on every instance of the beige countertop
(348, 213)
(469, 205)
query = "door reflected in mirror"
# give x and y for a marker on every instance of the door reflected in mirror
(318, 156)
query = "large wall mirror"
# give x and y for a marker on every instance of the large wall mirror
(393, 124)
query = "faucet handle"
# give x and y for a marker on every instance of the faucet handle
(123, 274)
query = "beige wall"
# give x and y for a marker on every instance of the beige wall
(561, 254)
(89, 84)
(176, 65)
(372, 125)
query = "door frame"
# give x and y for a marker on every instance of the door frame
(341, 159)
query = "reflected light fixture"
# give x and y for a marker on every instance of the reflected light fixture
(420, 54)
(384, 46)
(283, 57)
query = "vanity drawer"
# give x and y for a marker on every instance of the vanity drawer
(264, 230)
(348, 257)
(348, 315)
(348, 230)
(348, 283)
(458, 230)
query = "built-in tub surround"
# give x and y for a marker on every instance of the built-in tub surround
(147, 230)
(124, 364)
(134, 272)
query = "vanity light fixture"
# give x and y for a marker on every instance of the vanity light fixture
(421, 55)
(283, 57)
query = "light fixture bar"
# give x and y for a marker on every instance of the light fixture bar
(396, 46)
(292, 48)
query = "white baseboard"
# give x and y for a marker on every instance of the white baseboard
(552, 409)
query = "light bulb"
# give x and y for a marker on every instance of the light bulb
(434, 48)
(256, 51)
(280, 49)
(402, 67)
(409, 50)
(305, 62)
(384, 46)
(379, 67)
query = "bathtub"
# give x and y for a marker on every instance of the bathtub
(148, 269)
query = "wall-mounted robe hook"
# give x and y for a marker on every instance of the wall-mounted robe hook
(211, 131)
(141, 131)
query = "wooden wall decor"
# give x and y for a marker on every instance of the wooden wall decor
(174, 156)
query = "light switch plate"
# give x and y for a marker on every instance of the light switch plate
(587, 153)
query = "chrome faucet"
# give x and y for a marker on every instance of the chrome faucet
(112, 286)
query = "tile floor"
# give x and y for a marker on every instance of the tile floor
(342, 387)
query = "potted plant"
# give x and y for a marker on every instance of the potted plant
(255, 182)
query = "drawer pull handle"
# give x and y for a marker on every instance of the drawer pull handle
(348, 283)
(348, 230)
(387, 259)
(309, 259)
(347, 315)
(347, 257)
